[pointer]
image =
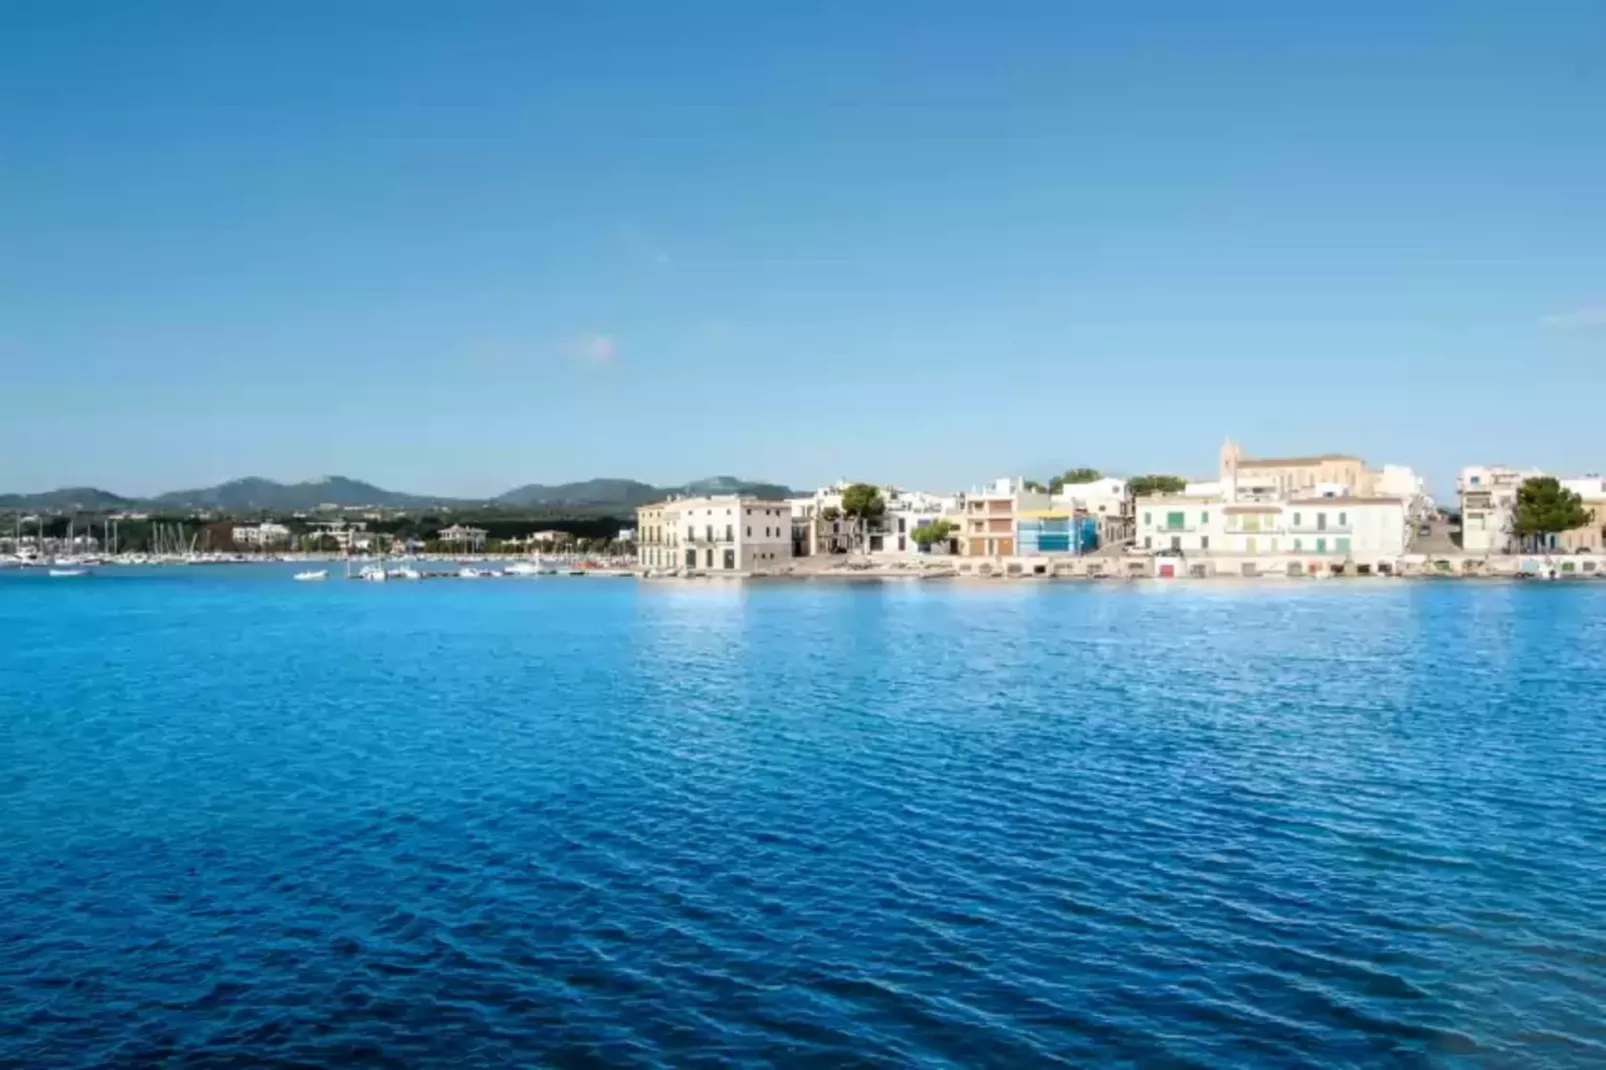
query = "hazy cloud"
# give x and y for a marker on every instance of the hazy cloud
(1578, 317)
(595, 348)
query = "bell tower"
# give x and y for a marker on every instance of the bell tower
(1230, 456)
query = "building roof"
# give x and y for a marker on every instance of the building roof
(1296, 462)
(1349, 499)
(1234, 510)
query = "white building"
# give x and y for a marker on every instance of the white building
(725, 533)
(893, 533)
(261, 535)
(1488, 496)
(822, 529)
(1181, 523)
(1103, 499)
(1365, 530)
(1312, 510)
(348, 536)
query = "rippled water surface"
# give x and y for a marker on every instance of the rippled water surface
(248, 822)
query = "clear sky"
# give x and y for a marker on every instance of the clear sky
(454, 247)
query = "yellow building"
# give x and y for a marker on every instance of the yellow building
(657, 535)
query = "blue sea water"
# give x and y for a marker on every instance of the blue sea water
(587, 822)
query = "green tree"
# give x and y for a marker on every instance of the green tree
(929, 534)
(1072, 476)
(1545, 507)
(1141, 486)
(1034, 485)
(862, 503)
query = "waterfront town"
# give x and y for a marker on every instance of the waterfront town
(1252, 516)
(1322, 515)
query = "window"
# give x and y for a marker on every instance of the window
(708, 556)
(1148, 543)
(1296, 524)
(1147, 520)
(1343, 518)
(1176, 542)
(1343, 546)
(1476, 480)
(749, 531)
(708, 535)
(730, 558)
(1204, 542)
(1321, 521)
(1204, 518)
(900, 525)
(1176, 521)
(1298, 545)
(1321, 546)
(730, 533)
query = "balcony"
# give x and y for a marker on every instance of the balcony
(1490, 482)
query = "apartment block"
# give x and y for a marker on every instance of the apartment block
(990, 514)
(1488, 496)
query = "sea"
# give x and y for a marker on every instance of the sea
(601, 822)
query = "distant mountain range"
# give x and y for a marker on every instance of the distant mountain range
(264, 495)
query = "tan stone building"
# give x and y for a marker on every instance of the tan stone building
(1591, 538)
(1291, 477)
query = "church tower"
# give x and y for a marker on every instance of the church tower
(1230, 456)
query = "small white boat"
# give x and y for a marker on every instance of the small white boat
(405, 573)
(318, 574)
(467, 574)
(59, 572)
(522, 568)
(373, 574)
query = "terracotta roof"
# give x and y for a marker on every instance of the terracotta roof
(1292, 462)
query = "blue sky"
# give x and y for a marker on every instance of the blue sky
(458, 247)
